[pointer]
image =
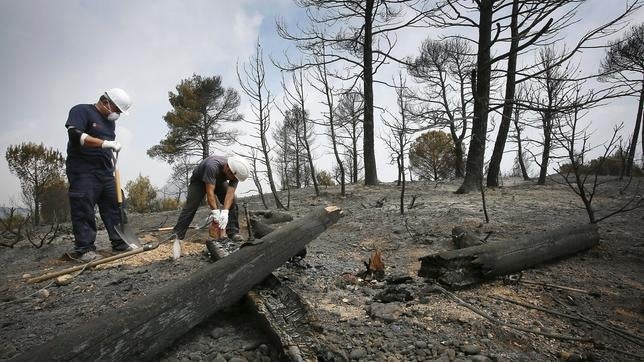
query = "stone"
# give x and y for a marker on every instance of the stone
(450, 353)
(389, 312)
(479, 358)
(471, 349)
(420, 344)
(358, 353)
(63, 280)
(217, 333)
(43, 293)
(238, 359)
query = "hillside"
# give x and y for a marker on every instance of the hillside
(350, 318)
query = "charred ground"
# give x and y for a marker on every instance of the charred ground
(348, 313)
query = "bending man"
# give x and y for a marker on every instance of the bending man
(216, 177)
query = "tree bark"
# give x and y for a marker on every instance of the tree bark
(476, 153)
(370, 172)
(473, 265)
(142, 329)
(545, 156)
(524, 171)
(636, 131)
(506, 117)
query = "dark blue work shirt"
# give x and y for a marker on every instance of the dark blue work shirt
(87, 119)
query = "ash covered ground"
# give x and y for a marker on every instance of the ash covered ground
(416, 322)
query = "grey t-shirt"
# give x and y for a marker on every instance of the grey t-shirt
(211, 171)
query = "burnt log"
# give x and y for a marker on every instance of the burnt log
(147, 326)
(473, 265)
(273, 217)
(464, 239)
(282, 314)
(259, 229)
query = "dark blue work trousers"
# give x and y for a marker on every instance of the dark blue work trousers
(87, 189)
(196, 193)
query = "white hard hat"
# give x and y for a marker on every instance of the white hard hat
(120, 99)
(239, 167)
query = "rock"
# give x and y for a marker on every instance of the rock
(471, 349)
(394, 294)
(63, 280)
(389, 312)
(217, 333)
(399, 279)
(263, 349)
(26, 276)
(219, 358)
(358, 353)
(420, 344)
(251, 345)
(43, 293)
(479, 358)
(195, 356)
(238, 359)
(450, 353)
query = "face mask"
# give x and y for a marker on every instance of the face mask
(112, 116)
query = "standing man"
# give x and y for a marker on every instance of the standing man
(90, 171)
(217, 178)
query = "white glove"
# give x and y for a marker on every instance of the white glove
(114, 145)
(223, 219)
(214, 216)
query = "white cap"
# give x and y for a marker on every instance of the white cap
(239, 167)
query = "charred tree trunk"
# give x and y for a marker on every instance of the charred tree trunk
(473, 265)
(510, 86)
(370, 170)
(524, 171)
(141, 330)
(545, 156)
(636, 131)
(476, 153)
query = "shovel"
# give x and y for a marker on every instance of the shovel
(123, 229)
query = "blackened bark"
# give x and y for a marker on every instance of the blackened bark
(370, 172)
(476, 153)
(476, 264)
(638, 122)
(510, 86)
(547, 141)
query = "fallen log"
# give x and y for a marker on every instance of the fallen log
(259, 229)
(282, 313)
(464, 239)
(475, 264)
(273, 217)
(147, 326)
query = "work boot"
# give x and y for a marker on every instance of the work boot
(88, 256)
(120, 246)
(237, 237)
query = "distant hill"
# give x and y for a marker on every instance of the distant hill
(4, 211)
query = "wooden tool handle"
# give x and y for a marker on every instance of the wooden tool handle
(119, 194)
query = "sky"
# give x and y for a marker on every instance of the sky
(56, 54)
